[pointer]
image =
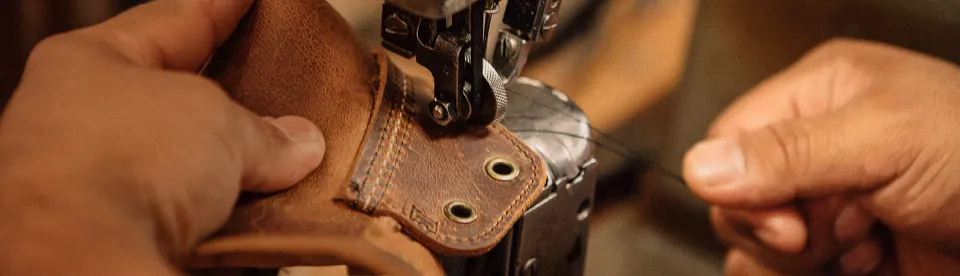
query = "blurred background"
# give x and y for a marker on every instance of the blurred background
(650, 73)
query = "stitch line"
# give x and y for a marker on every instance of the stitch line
(373, 160)
(378, 181)
(370, 166)
(512, 207)
(388, 160)
(401, 148)
(498, 224)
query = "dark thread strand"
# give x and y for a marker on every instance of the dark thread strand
(624, 150)
(626, 154)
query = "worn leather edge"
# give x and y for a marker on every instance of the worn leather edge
(382, 249)
(380, 113)
(383, 64)
(377, 253)
(302, 250)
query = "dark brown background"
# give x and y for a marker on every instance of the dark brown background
(24, 22)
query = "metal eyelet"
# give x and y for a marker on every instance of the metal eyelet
(460, 212)
(502, 169)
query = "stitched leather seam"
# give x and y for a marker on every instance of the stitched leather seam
(397, 151)
(390, 153)
(378, 181)
(382, 79)
(512, 207)
(360, 194)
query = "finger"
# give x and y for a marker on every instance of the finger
(172, 34)
(803, 90)
(739, 263)
(737, 234)
(852, 223)
(780, 228)
(862, 259)
(278, 153)
(827, 78)
(737, 228)
(801, 158)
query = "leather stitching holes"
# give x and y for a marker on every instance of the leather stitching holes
(360, 195)
(370, 195)
(395, 150)
(383, 79)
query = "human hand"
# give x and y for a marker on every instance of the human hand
(799, 170)
(116, 157)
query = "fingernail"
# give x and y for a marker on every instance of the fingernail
(861, 260)
(717, 162)
(852, 223)
(297, 129)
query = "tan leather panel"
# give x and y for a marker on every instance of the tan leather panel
(298, 57)
(411, 170)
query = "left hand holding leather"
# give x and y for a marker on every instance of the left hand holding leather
(116, 157)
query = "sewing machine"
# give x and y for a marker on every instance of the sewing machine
(446, 37)
(449, 38)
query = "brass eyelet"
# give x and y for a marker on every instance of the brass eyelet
(460, 212)
(502, 169)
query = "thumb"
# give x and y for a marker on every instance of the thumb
(848, 150)
(280, 152)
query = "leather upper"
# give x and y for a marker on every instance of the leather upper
(388, 173)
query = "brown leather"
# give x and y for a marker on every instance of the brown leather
(382, 166)
(411, 170)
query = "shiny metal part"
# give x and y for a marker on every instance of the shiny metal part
(527, 22)
(530, 268)
(554, 230)
(502, 169)
(496, 83)
(537, 114)
(447, 48)
(551, 237)
(533, 20)
(460, 212)
(449, 37)
(440, 112)
(510, 54)
(432, 9)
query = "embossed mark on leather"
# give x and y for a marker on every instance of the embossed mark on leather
(422, 219)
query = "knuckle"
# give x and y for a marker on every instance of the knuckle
(915, 203)
(202, 97)
(908, 213)
(848, 56)
(842, 44)
(55, 47)
(50, 45)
